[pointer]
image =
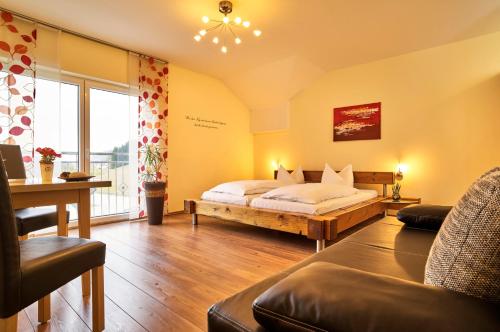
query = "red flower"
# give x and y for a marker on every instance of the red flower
(48, 154)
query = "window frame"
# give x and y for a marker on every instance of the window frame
(84, 85)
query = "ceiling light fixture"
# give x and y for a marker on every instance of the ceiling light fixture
(224, 27)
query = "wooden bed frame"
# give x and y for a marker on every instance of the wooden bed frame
(317, 227)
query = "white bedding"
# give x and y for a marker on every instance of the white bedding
(228, 198)
(310, 193)
(246, 187)
(315, 209)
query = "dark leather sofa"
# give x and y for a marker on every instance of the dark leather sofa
(373, 282)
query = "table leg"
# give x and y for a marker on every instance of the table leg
(62, 226)
(84, 231)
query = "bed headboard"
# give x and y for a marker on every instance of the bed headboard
(383, 178)
(359, 177)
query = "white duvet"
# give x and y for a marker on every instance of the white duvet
(228, 198)
(310, 193)
(315, 209)
(246, 187)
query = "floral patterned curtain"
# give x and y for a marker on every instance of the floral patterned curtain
(17, 84)
(153, 113)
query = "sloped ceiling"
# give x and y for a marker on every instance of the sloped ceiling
(301, 39)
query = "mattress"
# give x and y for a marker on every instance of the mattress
(228, 198)
(315, 209)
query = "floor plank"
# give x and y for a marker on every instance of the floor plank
(164, 278)
(116, 318)
(63, 317)
(24, 323)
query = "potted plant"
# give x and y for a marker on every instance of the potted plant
(48, 155)
(153, 186)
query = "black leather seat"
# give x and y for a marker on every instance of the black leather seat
(30, 270)
(34, 219)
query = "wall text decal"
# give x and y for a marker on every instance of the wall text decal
(205, 123)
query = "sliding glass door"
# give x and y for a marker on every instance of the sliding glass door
(109, 140)
(57, 125)
(94, 126)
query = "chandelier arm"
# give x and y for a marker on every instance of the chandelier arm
(224, 34)
(232, 32)
(214, 27)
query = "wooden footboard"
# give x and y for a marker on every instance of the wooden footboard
(319, 228)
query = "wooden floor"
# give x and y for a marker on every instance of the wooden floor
(164, 278)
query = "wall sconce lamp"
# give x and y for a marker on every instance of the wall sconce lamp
(402, 168)
(275, 164)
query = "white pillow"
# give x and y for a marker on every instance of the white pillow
(344, 177)
(310, 193)
(297, 176)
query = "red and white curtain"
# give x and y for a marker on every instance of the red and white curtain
(153, 114)
(17, 84)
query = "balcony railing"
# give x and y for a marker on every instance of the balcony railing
(110, 166)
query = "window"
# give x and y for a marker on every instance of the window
(110, 123)
(92, 125)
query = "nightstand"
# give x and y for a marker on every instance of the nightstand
(393, 206)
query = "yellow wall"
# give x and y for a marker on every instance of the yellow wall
(200, 158)
(440, 116)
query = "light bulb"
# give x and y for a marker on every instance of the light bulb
(237, 40)
(215, 40)
(205, 19)
(197, 38)
(203, 32)
(223, 49)
(257, 33)
(225, 20)
(246, 24)
(237, 20)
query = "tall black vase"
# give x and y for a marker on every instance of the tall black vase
(155, 193)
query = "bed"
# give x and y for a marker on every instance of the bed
(319, 227)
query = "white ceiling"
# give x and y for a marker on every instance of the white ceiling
(301, 39)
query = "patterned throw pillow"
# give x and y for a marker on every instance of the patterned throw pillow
(465, 256)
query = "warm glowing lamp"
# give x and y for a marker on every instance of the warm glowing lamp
(275, 164)
(402, 168)
(224, 26)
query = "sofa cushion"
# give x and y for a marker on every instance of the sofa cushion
(392, 234)
(424, 216)
(465, 256)
(328, 297)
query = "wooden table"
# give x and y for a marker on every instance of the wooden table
(392, 205)
(34, 193)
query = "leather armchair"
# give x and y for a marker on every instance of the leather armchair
(30, 270)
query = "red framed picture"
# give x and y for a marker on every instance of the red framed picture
(359, 122)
